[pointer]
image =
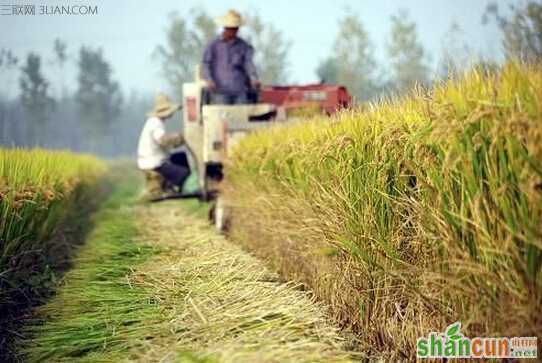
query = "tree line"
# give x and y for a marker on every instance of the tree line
(352, 60)
(97, 117)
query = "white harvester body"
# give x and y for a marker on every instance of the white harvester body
(212, 131)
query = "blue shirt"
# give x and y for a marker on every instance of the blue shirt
(229, 65)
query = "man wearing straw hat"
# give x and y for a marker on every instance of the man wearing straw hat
(154, 143)
(227, 64)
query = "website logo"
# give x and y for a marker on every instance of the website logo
(33, 10)
(453, 344)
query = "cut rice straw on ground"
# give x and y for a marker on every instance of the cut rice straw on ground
(173, 290)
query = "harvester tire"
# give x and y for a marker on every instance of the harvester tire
(218, 216)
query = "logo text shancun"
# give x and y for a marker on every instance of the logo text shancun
(453, 344)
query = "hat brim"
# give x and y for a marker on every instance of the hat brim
(165, 113)
(228, 22)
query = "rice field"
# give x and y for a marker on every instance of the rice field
(39, 189)
(407, 215)
(395, 219)
(34, 186)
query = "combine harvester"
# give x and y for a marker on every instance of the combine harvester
(211, 131)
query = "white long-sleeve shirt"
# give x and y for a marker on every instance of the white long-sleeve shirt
(150, 154)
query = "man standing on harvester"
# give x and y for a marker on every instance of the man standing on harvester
(227, 64)
(162, 171)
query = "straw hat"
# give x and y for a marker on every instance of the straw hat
(163, 106)
(232, 19)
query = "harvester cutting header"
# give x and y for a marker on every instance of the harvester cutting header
(224, 103)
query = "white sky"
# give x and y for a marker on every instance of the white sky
(129, 30)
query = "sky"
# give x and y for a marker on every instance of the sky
(129, 30)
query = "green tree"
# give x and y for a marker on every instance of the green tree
(522, 31)
(406, 53)
(61, 57)
(455, 53)
(35, 98)
(98, 97)
(8, 62)
(184, 46)
(327, 70)
(270, 49)
(352, 63)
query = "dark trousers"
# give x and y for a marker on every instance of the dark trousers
(228, 99)
(176, 170)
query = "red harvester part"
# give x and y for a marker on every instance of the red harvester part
(330, 98)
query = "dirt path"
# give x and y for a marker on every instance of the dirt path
(222, 303)
(156, 283)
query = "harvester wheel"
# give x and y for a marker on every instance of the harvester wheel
(218, 215)
(209, 189)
